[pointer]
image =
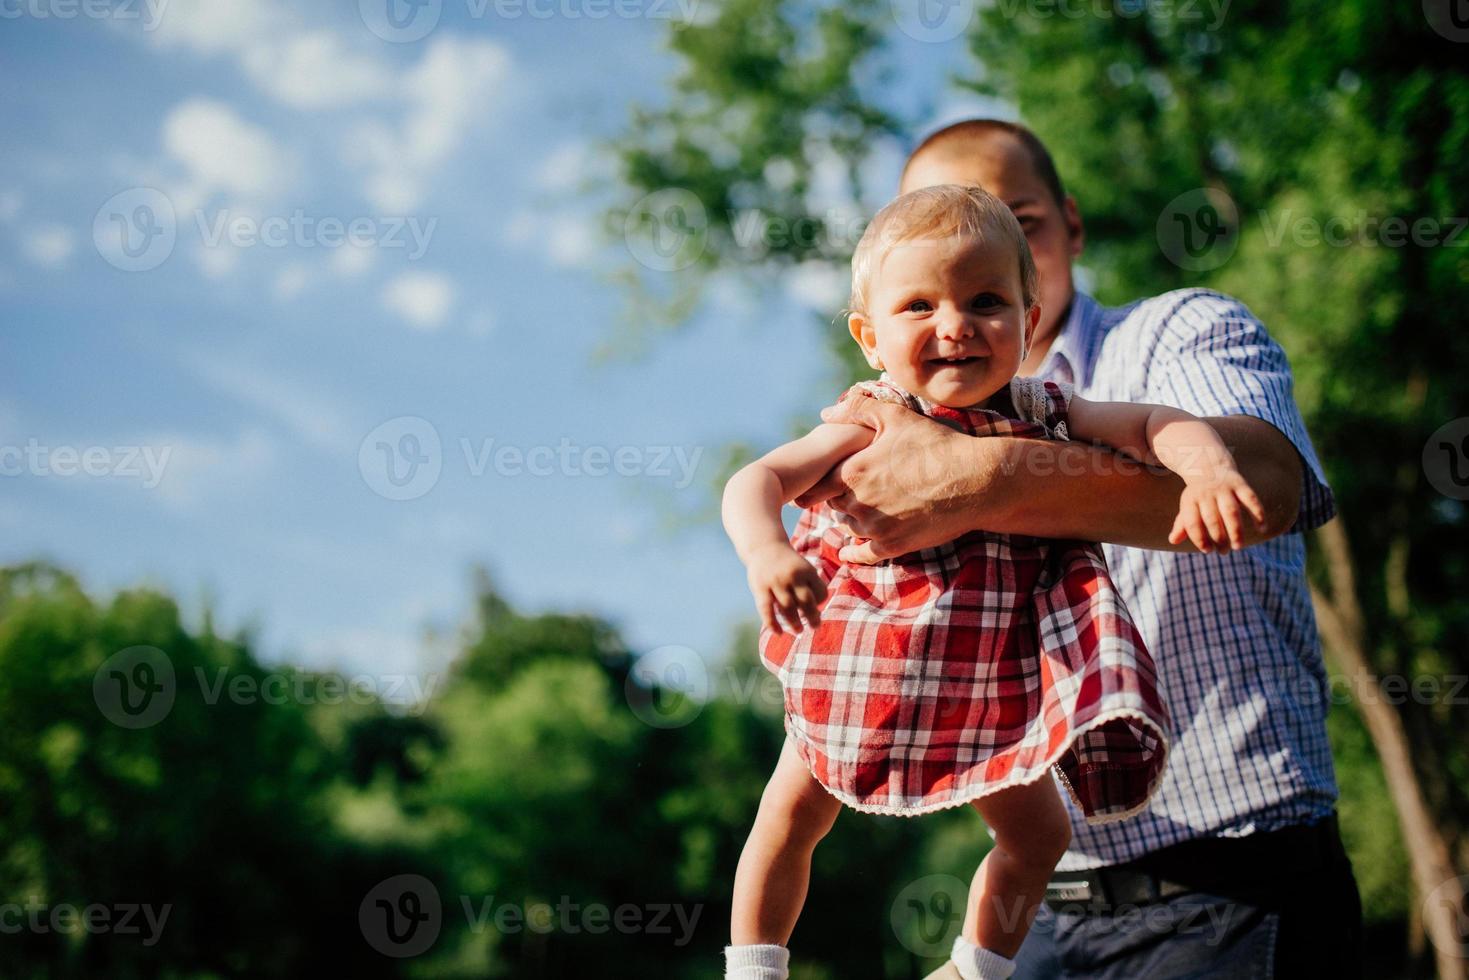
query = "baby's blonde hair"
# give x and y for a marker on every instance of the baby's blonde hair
(941, 211)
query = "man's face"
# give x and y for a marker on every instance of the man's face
(1001, 165)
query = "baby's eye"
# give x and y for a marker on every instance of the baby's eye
(918, 306)
(988, 301)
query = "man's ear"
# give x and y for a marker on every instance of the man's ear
(866, 338)
(1075, 230)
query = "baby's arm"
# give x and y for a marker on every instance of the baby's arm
(1209, 512)
(779, 578)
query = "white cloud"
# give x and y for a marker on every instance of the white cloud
(215, 26)
(567, 240)
(300, 408)
(49, 245)
(457, 83)
(289, 282)
(351, 260)
(221, 151)
(572, 241)
(570, 165)
(421, 298)
(314, 71)
(823, 286)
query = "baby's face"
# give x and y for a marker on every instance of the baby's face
(946, 318)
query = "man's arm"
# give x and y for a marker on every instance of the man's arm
(1098, 495)
(1037, 487)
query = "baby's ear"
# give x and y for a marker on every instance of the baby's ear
(866, 338)
(1032, 320)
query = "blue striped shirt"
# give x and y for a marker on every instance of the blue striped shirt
(1233, 636)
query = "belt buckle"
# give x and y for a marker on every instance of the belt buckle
(1075, 893)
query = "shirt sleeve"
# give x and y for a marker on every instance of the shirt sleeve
(1213, 357)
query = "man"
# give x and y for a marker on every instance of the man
(1236, 868)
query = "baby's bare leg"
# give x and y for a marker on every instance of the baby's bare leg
(775, 866)
(1032, 831)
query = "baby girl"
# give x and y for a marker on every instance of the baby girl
(969, 672)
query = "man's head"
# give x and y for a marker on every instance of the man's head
(944, 294)
(1008, 160)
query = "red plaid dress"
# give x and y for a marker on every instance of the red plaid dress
(949, 673)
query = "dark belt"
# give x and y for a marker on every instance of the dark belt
(1250, 868)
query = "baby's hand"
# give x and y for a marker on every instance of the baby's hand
(1209, 513)
(782, 580)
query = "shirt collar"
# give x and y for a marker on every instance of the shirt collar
(1074, 343)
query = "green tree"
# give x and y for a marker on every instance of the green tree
(209, 814)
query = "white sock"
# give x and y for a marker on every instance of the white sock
(759, 962)
(977, 963)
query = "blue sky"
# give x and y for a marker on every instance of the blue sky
(209, 415)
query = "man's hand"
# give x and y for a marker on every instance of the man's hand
(914, 487)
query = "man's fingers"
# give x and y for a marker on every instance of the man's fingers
(827, 487)
(865, 553)
(854, 410)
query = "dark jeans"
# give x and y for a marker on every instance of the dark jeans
(1268, 922)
